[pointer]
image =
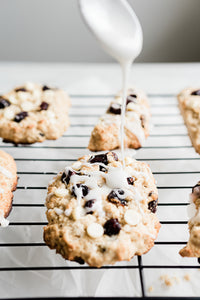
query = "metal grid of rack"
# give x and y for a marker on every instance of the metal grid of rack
(25, 261)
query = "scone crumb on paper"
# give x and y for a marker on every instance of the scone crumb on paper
(186, 277)
(150, 289)
(169, 280)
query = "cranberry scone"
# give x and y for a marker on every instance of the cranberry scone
(32, 113)
(99, 212)
(105, 135)
(189, 103)
(192, 249)
(8, 183)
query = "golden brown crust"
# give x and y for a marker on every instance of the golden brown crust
(105, 135)
(68, 233)
(190, 110)
(40, 124)
(7, 183)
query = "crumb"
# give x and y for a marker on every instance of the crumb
(187, 277)
(150, 289)
(169, 281)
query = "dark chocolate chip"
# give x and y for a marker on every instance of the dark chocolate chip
(42, 134)
(115, 108)
(4, 103)
(152, 206)
(196, 93)
(114, 197)
(66, 178)
(112, 227)
(131, 98)
(142, 119)
(45, 88)
(83, 187)
(100, 158)
(79, 260)
(102, 169)
(44, 106)
(19, 117)
(20, 90)
(131, 180)
(196, 190)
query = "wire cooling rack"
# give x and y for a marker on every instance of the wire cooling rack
(28, 268)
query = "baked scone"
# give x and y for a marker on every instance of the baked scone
(192, 249)
(189, 103)
(32, 113)
(105, 135)
(100, 213)
(8, 183)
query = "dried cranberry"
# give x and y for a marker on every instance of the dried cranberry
(131, 98)
(196, 93)
(44, 106)
(19, 117)
(83, 187)
(196, 190)
(152, 206)
(131, 180)
(115, 108)
(100, 158)
(20, 90)
(112, 227)
(66, 178)
(45, 88)
(4, 103)
(79, 260)
(114, 156)
(142, 119)
(114, 197)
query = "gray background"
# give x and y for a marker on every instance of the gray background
(52, 30)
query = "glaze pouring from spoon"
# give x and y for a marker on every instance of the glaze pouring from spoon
(117, 28)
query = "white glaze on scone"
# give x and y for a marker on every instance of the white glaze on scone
(190, 109)
(192, 249)
(41, 122)
(8, 183)
(105, 135)
(84, 223)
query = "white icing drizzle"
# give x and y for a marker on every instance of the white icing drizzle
(6, 172)
(4, 222)
(100, 184)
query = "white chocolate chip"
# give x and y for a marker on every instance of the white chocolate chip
(27, 106)
(23, 96)
(131, 217)
(58, 211)
(12, 99)
(61, 192)
(9, 114)
(29, 86)
(68, 212)
(95, 230)
(78, 213)
(77, 165)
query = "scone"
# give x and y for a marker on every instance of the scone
(8, 183)
(105, 135)
(189, 103)
(192, 249)
(32, 113)
(100, 213)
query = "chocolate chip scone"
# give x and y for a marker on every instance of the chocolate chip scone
(8, 183)
(32, 113)
(105, 135)
(192, 249)
(99, 212)
(189, 103)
